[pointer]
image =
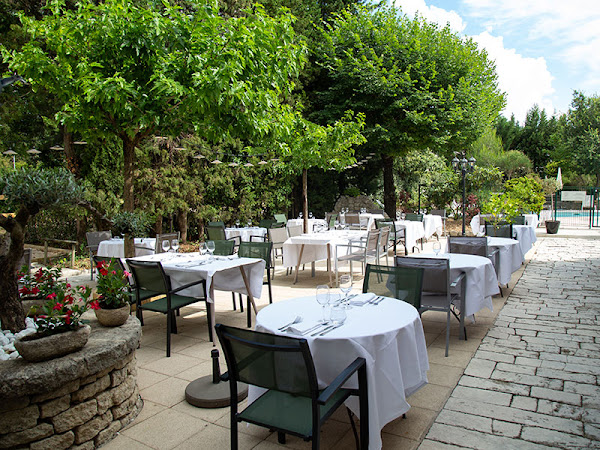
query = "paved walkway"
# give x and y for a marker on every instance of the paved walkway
(534, 381)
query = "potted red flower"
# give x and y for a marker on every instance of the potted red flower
(113, 297)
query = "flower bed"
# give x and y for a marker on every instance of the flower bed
(83, 398)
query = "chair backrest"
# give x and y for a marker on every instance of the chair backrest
(352, 219)
(294, 230)
(26, 260)
(382, 223)
(372, 240)
(261, 250)
(269, 361)
(277, 236)
(403, 283)
(384, 237)
(331, 220)
(519, 220)
(376, 211)
(216, 233)
(414, 217)
(484, 219)
(504, 230)
(436, 273)
(468, 245)
(438, 212)
(280, 218)
(266, 223)
(224, 247)
(160, 238)
(149, 276)
(117, 261)
(217, 223)
(94, 238)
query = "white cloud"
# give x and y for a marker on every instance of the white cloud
(432, 13)
(527, 81)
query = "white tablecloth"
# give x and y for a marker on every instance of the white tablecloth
(245, 232)
(315, 245)
(525, 234)
(532, 220)
(414, 232)
(313, 224)
(482, 282)
(222, 274)
(432, 224)
(389, 336)
(510, 256)
(115, 247)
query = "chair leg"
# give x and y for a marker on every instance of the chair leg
(209, 320)
(281, 437)
(139, 315)
(173, 323)
(351, 418)
(447, 332)
(233, 299)
(241, 303)
(269, 286)
(248, 312)
(168, 334)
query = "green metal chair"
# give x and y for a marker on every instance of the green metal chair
(519, 220)
(403, 283)
(439, 292)
(224, 247)
(93, 239)
(266, 223)
(217, 233)
(280, 218)
(293, 403)
(152, 281)
(500, 230)
(414, 217)
(217, 223)
(260, 250)
(331, 221)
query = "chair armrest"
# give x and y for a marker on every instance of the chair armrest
(254, 237)
(237, 240)
(185, 286)
(457, 280)
(340, 380)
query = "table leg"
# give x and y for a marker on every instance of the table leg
(248, 291)
(329, 263)
(211, 306)
(298, 265)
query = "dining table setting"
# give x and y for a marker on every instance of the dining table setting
(525, 234)
(385, 331)
(246, 234)
(115, 247)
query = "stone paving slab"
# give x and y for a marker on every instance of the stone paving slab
(534, 380)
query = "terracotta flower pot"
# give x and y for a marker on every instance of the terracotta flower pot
(33, 348)
(113, 317)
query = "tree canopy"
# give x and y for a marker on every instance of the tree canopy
(418, 85)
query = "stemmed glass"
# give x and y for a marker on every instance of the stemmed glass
(166, 245)
(175, 245)
(346, 287)
(210, 246)
(437, 247)
(323, 298)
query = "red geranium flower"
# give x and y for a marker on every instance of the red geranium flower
(51, 296)
(94, 304)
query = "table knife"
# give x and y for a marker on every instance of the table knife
(335, 327)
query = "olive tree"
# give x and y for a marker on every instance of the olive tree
(32, 190)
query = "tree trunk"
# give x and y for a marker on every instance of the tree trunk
(182, 224)
(305, 198)
(389, 188)
(128, 159)
(12, 315)
(158, 228)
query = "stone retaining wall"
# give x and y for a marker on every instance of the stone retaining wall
(78, 401)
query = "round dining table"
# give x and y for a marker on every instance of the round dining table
(115, 247)
(510, 257)
(388, 335)
(246, 233)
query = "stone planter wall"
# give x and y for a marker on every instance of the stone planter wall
(354, 203)
(78, 401)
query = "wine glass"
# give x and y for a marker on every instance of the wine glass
(300, 215)
(323, 300)
(175, 245)
(249, 223)
(202, 249)
(310, 215)
(437, 247)
(237, 223)
(166, 245)
(210, 246)
(346, 287)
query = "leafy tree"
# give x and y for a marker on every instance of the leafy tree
(508, 131)
(489, 152)
(32, 190)
(128, 70)
(419, 86)
(526, 192)
(580, 133)
(536, 137)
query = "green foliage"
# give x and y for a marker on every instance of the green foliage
(40, 188)
(417, 84)
(488, 152)
(526, 193)
(133, 223)
(484, 180)
(502, 207)
(113, 285)
(352, 191)
(57, 223)
(536, 137)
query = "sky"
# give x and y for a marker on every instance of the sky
(543, 49)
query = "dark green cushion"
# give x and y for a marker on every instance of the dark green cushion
(288, 412)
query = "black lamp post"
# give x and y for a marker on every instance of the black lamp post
(463, 166)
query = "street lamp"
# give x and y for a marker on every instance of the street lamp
(463, 166)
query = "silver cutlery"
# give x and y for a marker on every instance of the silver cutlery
(325, 327)
(313, 328)
(295, 321)
(335, 327)
(373, 300)
(379, 301)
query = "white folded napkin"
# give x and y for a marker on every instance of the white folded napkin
(302, 327)
(362, 299)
